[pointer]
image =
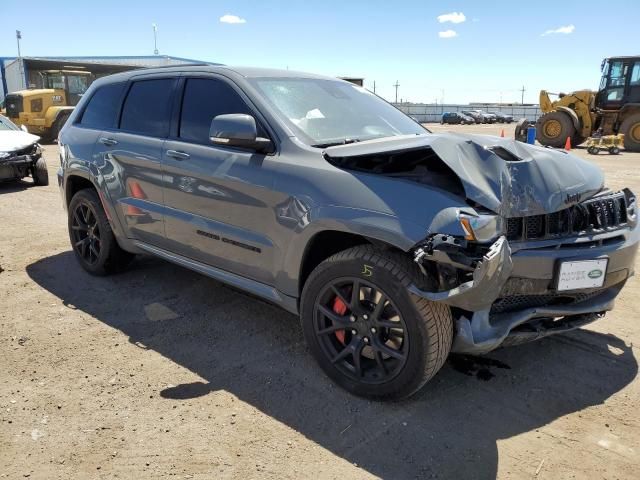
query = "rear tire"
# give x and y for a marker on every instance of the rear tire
(631, 129)
(91, 236)
(553, 128)
(423, 334)
(40, 173)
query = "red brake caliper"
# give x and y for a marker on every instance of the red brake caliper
(340, 308)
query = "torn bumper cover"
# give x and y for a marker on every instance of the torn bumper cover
(480, 329)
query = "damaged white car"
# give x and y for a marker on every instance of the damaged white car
(20, 154)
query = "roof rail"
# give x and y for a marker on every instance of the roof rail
(201, 64)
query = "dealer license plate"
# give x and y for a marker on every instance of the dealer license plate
(582, 274)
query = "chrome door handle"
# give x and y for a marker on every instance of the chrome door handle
(178, 155)
(108, 141)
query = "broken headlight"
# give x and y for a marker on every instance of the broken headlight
(481, 227)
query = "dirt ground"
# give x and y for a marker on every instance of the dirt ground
(162, 373)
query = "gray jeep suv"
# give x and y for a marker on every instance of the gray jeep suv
(394, 245)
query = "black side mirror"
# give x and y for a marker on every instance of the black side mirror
(238, 130)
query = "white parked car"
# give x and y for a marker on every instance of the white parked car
(20, 154)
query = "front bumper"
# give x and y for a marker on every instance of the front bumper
(512, 298)
(16, 167)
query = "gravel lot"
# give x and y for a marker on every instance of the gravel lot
(162, 373)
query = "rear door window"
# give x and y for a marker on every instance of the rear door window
(103, 106)
(204, 99)
(147, 108)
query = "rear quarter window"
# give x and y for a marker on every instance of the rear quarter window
(103, 106)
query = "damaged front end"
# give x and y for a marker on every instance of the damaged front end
(17, 164)
(525, 215)
(507, 292)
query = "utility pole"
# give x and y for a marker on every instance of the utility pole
(522, 97)
(374, 86)
(20, 66)
(155, 38)
(396, 85)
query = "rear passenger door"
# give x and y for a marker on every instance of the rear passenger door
(132, 152)
(217, 198)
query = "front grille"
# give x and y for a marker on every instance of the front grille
(595, 215)
(14, 105)
(515, 303)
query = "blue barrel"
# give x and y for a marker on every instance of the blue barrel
(531, 135)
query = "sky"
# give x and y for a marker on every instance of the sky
(451, 51)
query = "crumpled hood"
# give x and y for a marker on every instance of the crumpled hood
(12, 140)
(541, 181)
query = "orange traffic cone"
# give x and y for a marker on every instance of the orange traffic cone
(567, 144)
(136, 192)
(502, 133)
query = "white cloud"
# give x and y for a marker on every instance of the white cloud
(233, 19)
(453, 17)
(448, 34)
(566, 30)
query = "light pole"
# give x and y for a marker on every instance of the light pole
(155, 38)
(396, 85)
(18, 37)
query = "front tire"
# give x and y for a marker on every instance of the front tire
(40, 173)
(91, 236)
(553, 128)
(364, 328)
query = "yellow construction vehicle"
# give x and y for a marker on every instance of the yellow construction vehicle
(613, 109)
(44, 110)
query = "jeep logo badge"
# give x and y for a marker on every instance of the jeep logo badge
(595, 273)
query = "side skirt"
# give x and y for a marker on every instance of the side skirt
(258, 289)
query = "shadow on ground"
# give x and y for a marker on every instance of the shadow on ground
(255, 351)
(11, 186)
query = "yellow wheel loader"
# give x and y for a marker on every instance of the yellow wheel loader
(613, 109)
(45, 110)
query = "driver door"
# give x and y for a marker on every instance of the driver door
(218, 199)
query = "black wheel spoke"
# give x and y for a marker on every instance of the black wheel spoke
(388, 324)
(357, 352)
(331, 329)
(379, 308)
(392, 352)
(355, 295)
(331, 315)
(339, 294)
(380, 362)
(79, 221)
(80, 228)
(342, 354)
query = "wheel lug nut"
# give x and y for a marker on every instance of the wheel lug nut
(366, 340)
(365, 316)
(352, 318)
(354, 332)
(373, 329)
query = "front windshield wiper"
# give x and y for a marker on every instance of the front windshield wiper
(344, 141)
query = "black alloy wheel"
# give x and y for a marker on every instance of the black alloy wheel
(86, 232)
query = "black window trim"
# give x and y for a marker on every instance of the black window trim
(177, 110)
(127, 89)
